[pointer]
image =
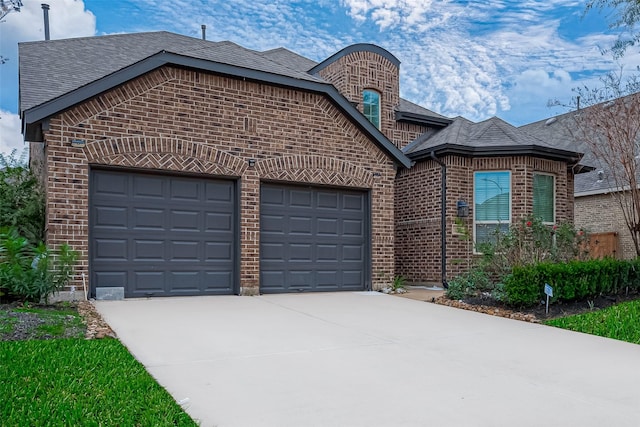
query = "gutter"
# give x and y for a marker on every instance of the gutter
(443, 219)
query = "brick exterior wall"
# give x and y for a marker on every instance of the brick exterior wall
(357, 71)
(187, 121)
(418, 210)
(601, 213)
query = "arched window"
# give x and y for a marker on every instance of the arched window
(371, 106)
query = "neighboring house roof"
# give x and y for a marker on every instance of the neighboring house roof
(84, 67)
(491, 137)
(561, 131)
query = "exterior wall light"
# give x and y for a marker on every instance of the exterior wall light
(463, 209)
(252, 162)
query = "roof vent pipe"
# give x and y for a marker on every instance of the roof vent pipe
(45, 12)
(204, 31)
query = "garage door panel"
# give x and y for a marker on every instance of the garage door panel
(328, 226)
(299, 225)
(215, 221)
(272, 251)
(352, 253)
(148, 219)
(185, 251)
(303, 234)
(353, 228)
(218, 251)
(149, 281)
(215, 192)
(110, 186)
(272, 196)
(327, 253)
(327, 200)
(148, 187)
(300, 198)
(301, 252)
(110, 249)
(148, 250)
(111, 216)
(172, 231)
(300, 279)
(353, 203)
(181, 281)
(217, 281)
(272, 224)
(185, 190)
(183, 220)
(327, 279)
(110, 279)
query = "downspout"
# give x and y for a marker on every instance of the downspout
(443, 219)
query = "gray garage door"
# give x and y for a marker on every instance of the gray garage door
(160, 235)
(312, 239)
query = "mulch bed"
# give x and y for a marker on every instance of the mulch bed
(27, 323)
(536, 314)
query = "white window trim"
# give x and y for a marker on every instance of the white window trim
(555, 197)
(475, 251)
(379, 125)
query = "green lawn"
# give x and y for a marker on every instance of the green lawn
(80, 382)
(620, 322)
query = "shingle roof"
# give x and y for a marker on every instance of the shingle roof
(73, 63)
(289, 59)
(489, 137)
(410, 107)
(57, 74)
(559, 131)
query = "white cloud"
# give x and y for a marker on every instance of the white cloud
(10, 136)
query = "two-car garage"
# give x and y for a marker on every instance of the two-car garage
(155, 234)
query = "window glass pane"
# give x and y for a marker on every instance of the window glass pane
(492, 195)
(371, 106)
(543, 197)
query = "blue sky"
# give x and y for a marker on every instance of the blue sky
(472, 58)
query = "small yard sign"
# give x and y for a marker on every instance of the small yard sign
(548, 291)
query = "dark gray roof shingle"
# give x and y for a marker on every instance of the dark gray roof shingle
(490, 133)
(409, 107)
(49, 69)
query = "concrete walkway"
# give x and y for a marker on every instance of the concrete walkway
(368, 359)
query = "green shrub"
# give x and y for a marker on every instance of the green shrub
(468, 285)
(31, 272)
(530, 241)
(574, 280)
(21, 198)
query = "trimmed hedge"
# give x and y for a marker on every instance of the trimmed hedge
(575, 280)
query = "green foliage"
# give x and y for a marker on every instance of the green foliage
(626, 15)
(81, 382)
(21, 198)
(468, 285)
(399, 282)
(528, 242)
(574, 280)
(621, 322)
(33, 272)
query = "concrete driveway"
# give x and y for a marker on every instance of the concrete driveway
(368, 359)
